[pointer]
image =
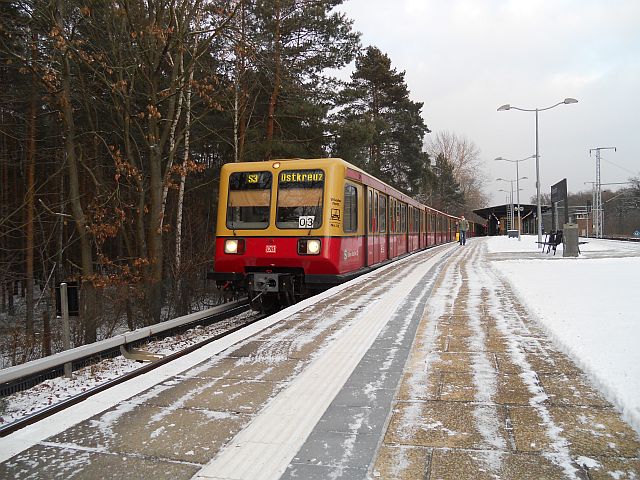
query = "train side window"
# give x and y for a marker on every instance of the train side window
(403, 218)
(350, 208)
(382, 216)
(375, 212)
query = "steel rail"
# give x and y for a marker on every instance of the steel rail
(26, 375)
(69, 402)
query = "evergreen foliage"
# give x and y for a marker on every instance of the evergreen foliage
(377, 126)
(119, 104)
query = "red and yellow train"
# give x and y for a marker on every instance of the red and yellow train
(288, 227)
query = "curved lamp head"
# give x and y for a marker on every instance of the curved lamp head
(568, 100)
(507, 106)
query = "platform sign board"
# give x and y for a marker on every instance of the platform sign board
(559, 194)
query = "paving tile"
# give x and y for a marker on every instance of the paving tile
(456, 344)
(505, 364)
(457, 387)
(552, 362)
(349, 420)
(608, 468)
(442, 424)
(459, 328)
(337, 449)
(529, 430)
(419, 385)
(596, 431)
(496, 344)
(451, 362)
(150, 431)
(278, 350)
(401, 463)
(62, 462)
(377, 361)
(252, 369)
(489, 465)
(575, 390)
(233, 395)
(358, 397)
(322, 472)
(512, 390)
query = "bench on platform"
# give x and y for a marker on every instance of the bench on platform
(551, 240)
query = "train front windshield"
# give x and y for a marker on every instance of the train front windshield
(300, 195)
(249, 200)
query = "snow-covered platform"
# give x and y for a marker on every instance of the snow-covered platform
(457, 362)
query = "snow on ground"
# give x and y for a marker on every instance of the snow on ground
(50, 392)
(588, 305)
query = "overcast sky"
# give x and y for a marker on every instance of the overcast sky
(465, 58)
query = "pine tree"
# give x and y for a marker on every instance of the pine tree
(284, 66)
(377, 126)
(439, 187)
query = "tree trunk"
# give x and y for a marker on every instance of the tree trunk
(30, 197)
(181, 303)
(273, 100)
(88, 293)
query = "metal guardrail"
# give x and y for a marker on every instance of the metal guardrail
(52, 366)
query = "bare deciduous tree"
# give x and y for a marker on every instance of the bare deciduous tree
(464, 157)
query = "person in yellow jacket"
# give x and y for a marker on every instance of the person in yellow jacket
(463, 226)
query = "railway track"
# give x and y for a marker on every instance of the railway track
(41, 414)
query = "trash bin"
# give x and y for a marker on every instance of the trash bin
(570, 240)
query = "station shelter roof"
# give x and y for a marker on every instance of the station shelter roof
(501, 210)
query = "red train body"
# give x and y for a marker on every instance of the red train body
(286, 227)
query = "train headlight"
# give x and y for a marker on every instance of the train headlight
(234, 246)
(313, 247)
(309, 246)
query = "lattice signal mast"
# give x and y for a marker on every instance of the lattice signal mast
(597, 210)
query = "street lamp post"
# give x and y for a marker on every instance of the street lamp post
(510, 107)
(517, 185)
(517, 180)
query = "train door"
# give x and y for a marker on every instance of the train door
(392, 228)
(383, 228)
(376, 228)
(373, 237)
(353, 245)
(369, 229)
(403, 228)
(421, 234)
(410, 228)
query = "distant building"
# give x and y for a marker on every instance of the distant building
(500, 218)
